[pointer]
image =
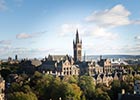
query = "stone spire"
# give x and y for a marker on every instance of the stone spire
(77, 36)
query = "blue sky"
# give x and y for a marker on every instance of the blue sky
(36, 28)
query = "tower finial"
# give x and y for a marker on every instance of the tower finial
(77, 36)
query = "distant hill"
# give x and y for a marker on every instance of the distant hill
(95, 57)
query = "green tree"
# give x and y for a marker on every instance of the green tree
(71, 79)
(14, 87)
(55, 89)
(21, 96)
(5, 73)
(41, 84)
(115, 89)
(70, 91)
(103, 87)
(101, 95)
(87, 85)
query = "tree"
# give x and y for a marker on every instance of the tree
(26, 89)
(115, 89)
(70, 79)
(87, 85)
(102, 86)
(128, 87)
(101, 95)
(41, 84)
(5, 73)
(14, 87)
(55, 88)
(21, 96)
(70, 91)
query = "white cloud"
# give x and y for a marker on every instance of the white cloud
(137, 37)
(116, 16)
(5, 42)
(132, 49)
(99, 32)
(105, 48)
(27, 35)
(135, 21)
(87, 31)
(23, 36)
(2, 5)
(3, 48)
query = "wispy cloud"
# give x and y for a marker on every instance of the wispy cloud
(132, 49)
(116, 16)
(33, 52)
(23, 36)
(5, 42)
(18, 2)
(135, 21)
(2, 5)
(27, 35)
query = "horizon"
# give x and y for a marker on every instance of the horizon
(115, 56)
(35, 29)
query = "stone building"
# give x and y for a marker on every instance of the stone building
(94, 68)
(29, 66)
(106, 64)
(48, 66)
(67, 67)
(103, 78)
(60, 66)
(2, 88)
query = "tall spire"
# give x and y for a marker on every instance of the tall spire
(77, 48)
(77, 36)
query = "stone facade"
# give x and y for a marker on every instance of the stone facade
(67, 67)
(106, 64)
(2, 88)
(61, 67)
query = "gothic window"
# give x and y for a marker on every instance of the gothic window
(79, 52)
(70, 72)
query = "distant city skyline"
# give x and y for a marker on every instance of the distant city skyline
(36, 28)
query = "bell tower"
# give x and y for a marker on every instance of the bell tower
(77, 48)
